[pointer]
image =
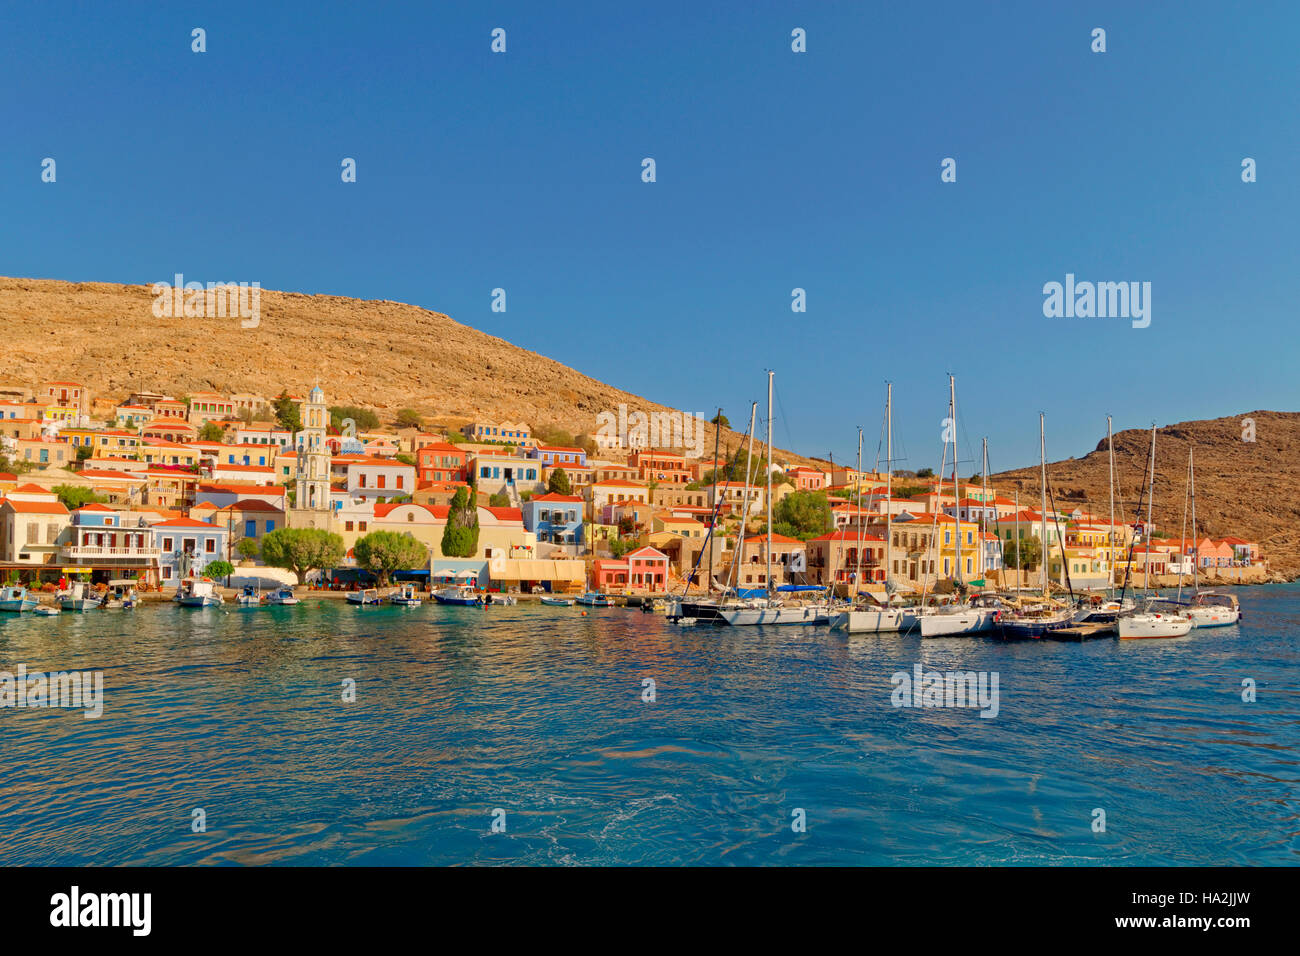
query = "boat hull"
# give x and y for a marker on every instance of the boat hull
(766, 616)
(1216, 617)
(967, 621)
(557, 602)
(1152, 626)
(884, 621)
(1019, 630)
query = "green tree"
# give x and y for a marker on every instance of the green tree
(211, 431)
(409, 418)
(219, 569)
(925, 473)
(286, 413)
(84, 452)
(365, 419)
(499, 500)
(460, 537)
(1021, 553)
(73, 497)
(405, 459)
(302, 549)
(384, 552)
(248, 548)
(804, 515)
(721, 420)
(558, 483)
(553, 435)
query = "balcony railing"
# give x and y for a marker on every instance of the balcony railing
(96, 551)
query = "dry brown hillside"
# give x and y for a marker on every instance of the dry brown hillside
(1242, 488)
(383, 354)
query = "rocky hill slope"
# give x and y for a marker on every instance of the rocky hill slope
(382, 354)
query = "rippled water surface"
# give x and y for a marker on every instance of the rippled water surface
(537, 711)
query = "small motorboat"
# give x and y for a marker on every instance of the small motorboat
(197, 592)
(249, 596)
(121, 598)
(282, 596)
(367, 596)
(17, 599)
(461, 594)
(405, 596)
(79, 597)
(45, 610)
(506, 599)
(557, 602)
(686, 621)
(595, 599)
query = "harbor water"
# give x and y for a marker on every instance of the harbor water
(537, 735)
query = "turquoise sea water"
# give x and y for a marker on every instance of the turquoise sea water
(538, 711)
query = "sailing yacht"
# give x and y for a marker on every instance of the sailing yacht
(1209, 608)
(1157, 618)
(771, 610)
(877, 618)
(1213, 609)
(1039, 620)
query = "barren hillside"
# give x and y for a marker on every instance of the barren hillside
(383, 354)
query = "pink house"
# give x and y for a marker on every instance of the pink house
(645, 569)
(807, 479)
(1213, 554)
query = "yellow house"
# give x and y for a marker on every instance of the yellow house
(683, 527)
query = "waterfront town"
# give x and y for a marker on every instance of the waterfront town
(149, 489)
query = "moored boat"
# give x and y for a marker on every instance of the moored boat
(1213, 609)
(405, 596)
(976, 617)
(365, 597)
(557, 602)
(460, 594)
(249, 596)
(774, 613)
(79, 597)
(1154, 621)
(197, 592)
(595, 599)
(282, 596)
(16, 598)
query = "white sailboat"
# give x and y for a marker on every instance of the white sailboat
(1209, 608)
(981, 613)
(881, 618)
(1156, 618)
(771, 610)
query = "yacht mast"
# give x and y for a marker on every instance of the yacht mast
(889, 478)
(984, 508)
(1110, 528)
(857, 571)
(956, 489)
(1151, 490)
(769, 486)
(1191, 467)
(1042, 457)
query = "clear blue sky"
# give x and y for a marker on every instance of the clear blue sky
(775, 170)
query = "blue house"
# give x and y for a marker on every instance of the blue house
(553, 456)
(555, 519)
(187, 546)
